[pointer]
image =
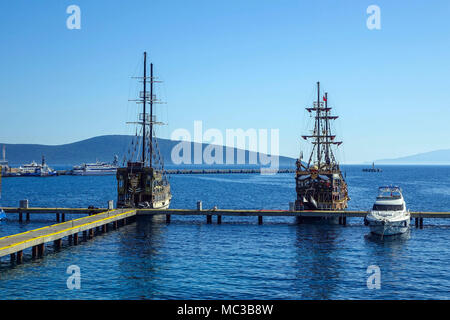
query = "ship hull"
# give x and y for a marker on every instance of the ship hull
(318, 206)
(317, 220)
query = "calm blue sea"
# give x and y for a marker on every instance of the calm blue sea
(238, 259)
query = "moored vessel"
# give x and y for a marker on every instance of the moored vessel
(320, 184)
(34, 169)
(96, 169)
(142, 182)
(389, 215)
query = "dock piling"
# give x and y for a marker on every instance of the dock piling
(57, 217)
(421, 223)
(208, 218)
(19, 257)
(260, 220)
(23, 204)
(57, 243)
(41, 249)
(219, 219)
(34, 252)
(167, 218)
(291, 206)
(75, 239)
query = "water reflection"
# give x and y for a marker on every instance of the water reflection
(318, 266)
(140, 263)
(393, 240)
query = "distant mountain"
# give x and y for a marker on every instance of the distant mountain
(102, 148)
(432, 157)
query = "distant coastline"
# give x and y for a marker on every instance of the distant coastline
(436, 157)
(103, 148)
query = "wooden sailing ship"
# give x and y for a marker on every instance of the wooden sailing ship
(142, 182)
(320, 184)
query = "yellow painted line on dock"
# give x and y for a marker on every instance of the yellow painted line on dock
(52, 225)
(61, 231)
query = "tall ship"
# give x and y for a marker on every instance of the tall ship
(142, 182)
(97, 169)
(320, 184)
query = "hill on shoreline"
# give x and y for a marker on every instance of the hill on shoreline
(432, 157)
(103, 148)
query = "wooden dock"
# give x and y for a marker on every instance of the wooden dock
(14, 245)
(101, 219)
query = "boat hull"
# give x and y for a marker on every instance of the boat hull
(388, 228)
(94, 173)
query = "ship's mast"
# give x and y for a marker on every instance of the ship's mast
(144, 103)
(319, 138)
(147, 119)
(151, 113)
(318, 124)
(327, 129)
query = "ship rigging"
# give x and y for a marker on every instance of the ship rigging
(320, 184)
(142, 181)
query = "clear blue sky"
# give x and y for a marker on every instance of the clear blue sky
(231, 64)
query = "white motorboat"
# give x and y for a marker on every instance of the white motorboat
(389, 215)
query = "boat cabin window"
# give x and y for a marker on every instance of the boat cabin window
(387, 207)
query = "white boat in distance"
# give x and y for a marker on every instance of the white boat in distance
(388, 215)
(34, 169)
(96, 169)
